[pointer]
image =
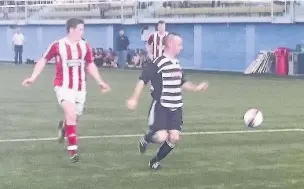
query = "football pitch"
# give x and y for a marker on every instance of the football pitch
(216, 150)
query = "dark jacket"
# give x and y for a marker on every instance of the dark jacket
(122, 43)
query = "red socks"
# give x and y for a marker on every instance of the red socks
(71, 134)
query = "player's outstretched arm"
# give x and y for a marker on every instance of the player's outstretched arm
(189, 86)
(94, 72)
(133, 100)
(48, 55)
(146, 76)
(36, 72)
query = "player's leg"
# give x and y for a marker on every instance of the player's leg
(80, 101)
(78, 110)
(165, 149)
(174, 126)
(159, 137)
(70, 118)
(147, 138)
(60, 94)
(66, 99)
(155, 116)
(61, 129)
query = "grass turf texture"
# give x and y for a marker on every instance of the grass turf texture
(246, 160)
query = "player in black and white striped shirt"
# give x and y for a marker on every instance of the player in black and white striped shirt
(165, 115)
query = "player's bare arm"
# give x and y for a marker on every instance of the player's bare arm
(150, 51)
(133, 100)
(94, 72)
(189, 86)
(149, 46)
(36, 72)
(147, 74)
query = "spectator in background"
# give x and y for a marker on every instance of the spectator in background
(143, 58)
(130, 55)
(110, 59)
(135, 59)
(122, 46)
(99, 56)
(94, 53)
(4, 9)
(5, 12)
(18, 40)
(139, 59)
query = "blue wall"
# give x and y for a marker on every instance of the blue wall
(37, 39)
(206, 46)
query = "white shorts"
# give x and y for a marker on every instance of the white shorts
(76, 97)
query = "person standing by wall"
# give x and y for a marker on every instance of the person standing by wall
(155, 45)
(122, 47)
(18, 40)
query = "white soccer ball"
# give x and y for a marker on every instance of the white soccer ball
(253, 118)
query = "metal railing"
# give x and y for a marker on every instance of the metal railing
(140, 9)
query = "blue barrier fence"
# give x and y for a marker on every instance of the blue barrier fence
(227, 47)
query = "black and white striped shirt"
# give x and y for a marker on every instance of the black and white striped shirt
(166, 78)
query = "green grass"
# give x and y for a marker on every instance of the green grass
(240, 161)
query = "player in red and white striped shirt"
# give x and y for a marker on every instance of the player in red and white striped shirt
(155, 46)
(74, 59)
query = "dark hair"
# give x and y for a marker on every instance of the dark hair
(160, 22)
(73, 23)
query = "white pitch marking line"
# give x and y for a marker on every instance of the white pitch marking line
(138, 135)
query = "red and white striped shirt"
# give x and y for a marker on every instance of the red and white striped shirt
(157, 42)
(71, 61)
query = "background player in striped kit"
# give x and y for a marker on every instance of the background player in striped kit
(165, 115)
(73, 57)
(155, 45)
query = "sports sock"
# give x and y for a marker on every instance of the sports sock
(72, 139)
(149, 137)
(164, 150)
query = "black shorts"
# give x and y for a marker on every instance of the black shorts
(161, 118)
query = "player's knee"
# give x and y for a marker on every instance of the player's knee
(69, 112)
(160, 136)
(71, 118)
(174, 136)
(79, 109)
(78, 113)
